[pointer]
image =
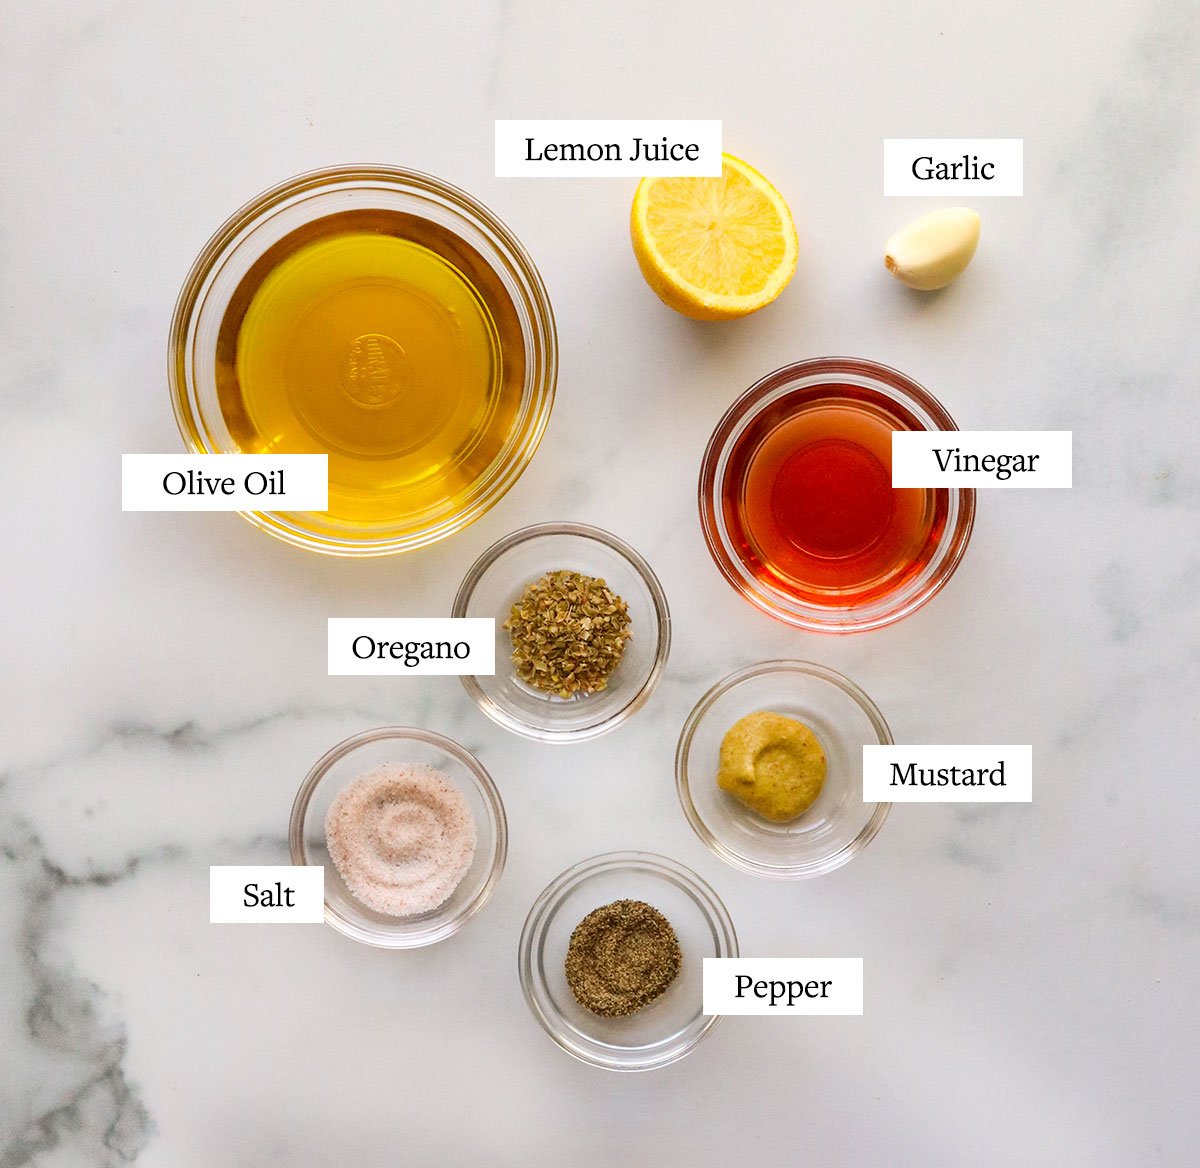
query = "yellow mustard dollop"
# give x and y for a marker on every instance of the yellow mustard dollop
(773, 764)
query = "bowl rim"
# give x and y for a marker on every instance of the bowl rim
(540, 341)
(659, 865)
(539, 732)
(484, 784)
(714, 464)
(683, 783)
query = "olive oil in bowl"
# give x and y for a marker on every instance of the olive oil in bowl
(402, 361)
(386, 320)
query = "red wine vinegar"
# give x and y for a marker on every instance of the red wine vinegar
(810, 504)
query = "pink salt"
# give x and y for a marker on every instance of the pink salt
(402, 838)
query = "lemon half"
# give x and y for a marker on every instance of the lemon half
(714, 248)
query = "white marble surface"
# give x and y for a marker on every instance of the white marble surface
(1031, 970)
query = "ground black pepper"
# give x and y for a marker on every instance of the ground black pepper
(620, 957)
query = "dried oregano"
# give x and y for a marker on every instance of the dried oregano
(568, 633)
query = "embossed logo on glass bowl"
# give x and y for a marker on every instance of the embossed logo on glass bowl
(371, 370)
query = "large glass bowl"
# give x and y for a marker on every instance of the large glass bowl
(467, 228)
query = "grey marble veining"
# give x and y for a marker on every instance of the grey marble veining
(1031, 971)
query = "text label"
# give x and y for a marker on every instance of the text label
(981, 458)
(224, 482)
(948, 774)
(412, 645)
(953, 166)
(607, 149)
(783, 985)
(266, 894)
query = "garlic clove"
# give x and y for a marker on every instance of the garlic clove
(935, 250)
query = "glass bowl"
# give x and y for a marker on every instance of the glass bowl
(671, 1025)
(837, 387)
(359, 754)
(495, 583)
(468, 237)
(838, 825)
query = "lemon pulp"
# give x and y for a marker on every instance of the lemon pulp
(714, 248)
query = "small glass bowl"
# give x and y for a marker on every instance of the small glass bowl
(887, 392)
(251, 232)
(495, 583)
(838, 825)
(667, 1028)
(359, 754)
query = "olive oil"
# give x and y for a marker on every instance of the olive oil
(389, 344)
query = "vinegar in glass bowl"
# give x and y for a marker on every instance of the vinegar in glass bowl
(797, 503)
(809, 497)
